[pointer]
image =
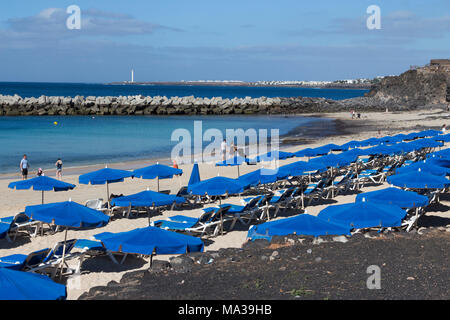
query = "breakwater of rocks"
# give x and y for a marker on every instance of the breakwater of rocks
(157, 105)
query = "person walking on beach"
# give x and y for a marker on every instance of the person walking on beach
(223, 148)
(24, 166)
(59, 165)
(444, 128)
(379, 135)
(233, 149)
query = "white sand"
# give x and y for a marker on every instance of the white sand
(101, 270)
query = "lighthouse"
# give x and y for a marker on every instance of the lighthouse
(132, 75)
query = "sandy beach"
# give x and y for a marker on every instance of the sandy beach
(101, 270)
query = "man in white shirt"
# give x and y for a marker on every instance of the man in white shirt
(24, 166)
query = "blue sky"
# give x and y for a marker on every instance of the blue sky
(245, 40)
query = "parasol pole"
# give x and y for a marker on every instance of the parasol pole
(64, 254)
(107, 194)
(221, 215)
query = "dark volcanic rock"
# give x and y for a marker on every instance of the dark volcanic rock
(427, 85)
(330, 270)
(182, 264)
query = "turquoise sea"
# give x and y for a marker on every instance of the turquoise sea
(83, 140)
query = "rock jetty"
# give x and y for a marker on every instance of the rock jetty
(157, 105)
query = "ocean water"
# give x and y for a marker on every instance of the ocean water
(31, 89)
(82, 140)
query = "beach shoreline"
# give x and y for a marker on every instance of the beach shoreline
(337, 125)
(286, 141)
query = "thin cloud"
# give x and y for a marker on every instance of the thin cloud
(51, 24)
(397, 25)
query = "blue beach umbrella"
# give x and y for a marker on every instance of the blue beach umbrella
(273, 155)
(351, 145)
(370, 142)
(411, 136)
(260, 176)
(19, 285)
(439, 161)
(352, 154)
(216, 186)
(364, 214)
(399, 137)
(236, 161)
(308, 152)
(380, 150)
(430, 133)
(104, 176)
(319, 151)
(323, 150)
(418, 180)
(443, 137)
(67, 214)
(195, 175)
(441, 154)
(147, 199)
(42, 183)
(427, 143)
(302, 224)
(392, 139)
(394, 196)
(158, 171)
(332, 160)
(150, 241)
(406, 147)
(299, 168)
(427, 167)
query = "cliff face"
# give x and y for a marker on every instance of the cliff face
(425, 85)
